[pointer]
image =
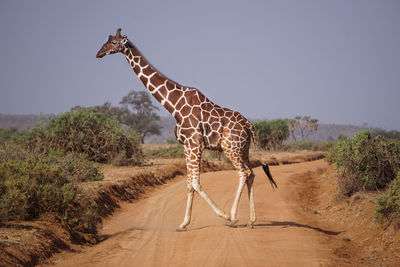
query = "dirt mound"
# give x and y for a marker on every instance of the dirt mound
(367, 243)
(28, 243)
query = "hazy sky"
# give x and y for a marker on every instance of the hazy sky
(337, 61)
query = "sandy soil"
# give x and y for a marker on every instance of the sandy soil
(143, 233)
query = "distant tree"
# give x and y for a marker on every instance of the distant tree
(279, 133)
(141, 116)
(393, 134)
(303, 126)
(263, 132)
(292, 125)
(109, 111)
(136, 111)
(271, 134)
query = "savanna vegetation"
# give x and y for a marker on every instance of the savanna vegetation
(271, 134)
(41, 169)
(370, 162)
(136, 111)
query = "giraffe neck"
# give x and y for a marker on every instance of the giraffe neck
(166, 91)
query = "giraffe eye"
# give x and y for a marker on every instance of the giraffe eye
(114, 42)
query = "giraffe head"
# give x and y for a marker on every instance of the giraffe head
(113, 45)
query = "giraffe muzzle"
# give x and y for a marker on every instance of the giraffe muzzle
(100, 54)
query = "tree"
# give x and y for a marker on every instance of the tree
(137, 112)
(140, 113)
(263, 132)
(303, 126)
(271, 134)
(109, 111)
(279, 133)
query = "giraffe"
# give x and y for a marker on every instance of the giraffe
(200, 124)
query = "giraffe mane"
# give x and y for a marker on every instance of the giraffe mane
(130, 45)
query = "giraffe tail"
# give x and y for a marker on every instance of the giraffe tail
(267, 172)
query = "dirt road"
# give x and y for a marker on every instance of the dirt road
(143, 233)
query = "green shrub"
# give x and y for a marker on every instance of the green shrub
(8, 133)
(365, 162)
(77, 167)
(175, 151)
(86, 131)
(388, 205)
(307, 145)
(172, 141)
(271, 134)
(35, 186)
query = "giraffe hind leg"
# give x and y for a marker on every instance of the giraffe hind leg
(188, 212)
(250, 192)
(235, 205)
(235, 157)
(239, 158)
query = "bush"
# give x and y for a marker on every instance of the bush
(77, 167)
(8, 133)
(307, 145)
(388, 205)
(86, 131)
(365, 162)
(35, 186)
(11, 150)
(393, 134)
(175, 151)
(271, 134)
(263, 132)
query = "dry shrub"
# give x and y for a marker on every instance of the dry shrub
(12, 150)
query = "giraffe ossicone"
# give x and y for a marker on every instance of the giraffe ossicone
(200, 124)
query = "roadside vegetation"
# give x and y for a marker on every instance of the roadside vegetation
(89, 132)
(41, 169)
(370, 162)
(271, 134)
(173, 151)
(307, 145)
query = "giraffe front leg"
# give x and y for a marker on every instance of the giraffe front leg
(197, 187)
(189, 205)
(193, 155)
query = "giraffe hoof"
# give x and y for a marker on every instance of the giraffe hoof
(233, 223)
(180, 229)
(250, 225)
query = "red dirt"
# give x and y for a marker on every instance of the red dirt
(143, 233)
